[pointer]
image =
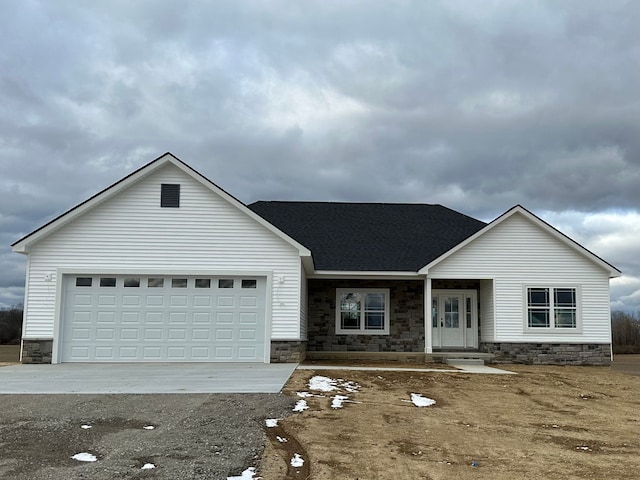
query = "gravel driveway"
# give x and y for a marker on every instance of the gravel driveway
(199, 436)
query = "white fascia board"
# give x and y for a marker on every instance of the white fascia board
(360, 275)
(613, 271)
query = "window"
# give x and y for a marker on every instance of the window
(362, 311)
(225, 283)
(170, 195)
(107, 281)
(131, 282)
(155, 282)
(552, 308)
(203, 283)
(249, 283)
(83, 281)
(178, 283)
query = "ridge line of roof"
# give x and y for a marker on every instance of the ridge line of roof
(352, 203)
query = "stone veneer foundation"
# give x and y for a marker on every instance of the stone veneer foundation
(37, 350)
(549, 353)
(288, 351)
(406, 311)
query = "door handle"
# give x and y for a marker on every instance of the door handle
(441, 323)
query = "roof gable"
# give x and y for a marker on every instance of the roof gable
(372, 237)
(22, 245)
(519, 209)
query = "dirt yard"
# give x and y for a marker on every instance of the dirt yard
(545, 422)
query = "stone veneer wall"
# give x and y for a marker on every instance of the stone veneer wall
(37, 351)
(406, 311)
(549, 353)
(288, 351)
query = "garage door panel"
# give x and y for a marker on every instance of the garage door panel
(105, 334)
(152, 353)
(201, 334)
(82, 300)
(81, 317)
(81, 352)
(223, 318)
(131, 300)
(202, 318)
(152, 318)
(155, 301)
(248, 301)
(202, 301)
(130, 318)
(153, 334)
(179, 301)
(106, 300)
(225, 301)
(245, 334)
(139, 318)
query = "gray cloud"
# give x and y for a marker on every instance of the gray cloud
(476, 105)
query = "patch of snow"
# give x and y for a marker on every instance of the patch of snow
(323, 384)
(350, 387)
(420, 401)
(147, 466)
(149, 427)
(248, 474)
(297, 460)
(85, 427)
(84, 457)
(584, 447)
(326, 384)
(338, 400)
(301, 406)
(271, 422)
(281, 439)
(307, 395)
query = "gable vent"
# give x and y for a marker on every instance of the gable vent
(170, 195)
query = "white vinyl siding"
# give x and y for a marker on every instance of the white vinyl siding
(517, 253)
(131, 232)
(487, 323)
(303, 304)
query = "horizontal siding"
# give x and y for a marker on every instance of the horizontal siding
(487, 323)
(130, 231)
(303, 303)
(518, 253)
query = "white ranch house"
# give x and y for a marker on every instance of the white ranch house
(166, 266)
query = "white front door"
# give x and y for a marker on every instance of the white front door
(454, 320)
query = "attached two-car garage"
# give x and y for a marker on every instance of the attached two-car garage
(163, 318)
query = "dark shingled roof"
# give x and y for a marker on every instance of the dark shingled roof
(370, 236)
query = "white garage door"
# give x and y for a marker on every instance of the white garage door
(126, 318)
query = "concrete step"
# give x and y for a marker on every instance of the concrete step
(464, 361)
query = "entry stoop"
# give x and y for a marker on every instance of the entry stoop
(464, 361)
(462, 357)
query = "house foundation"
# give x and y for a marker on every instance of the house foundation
(288, 351)
(549, 353)
(37, 350)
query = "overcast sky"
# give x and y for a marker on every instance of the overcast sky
(477, 105)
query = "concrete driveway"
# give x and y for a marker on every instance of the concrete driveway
(145, 378)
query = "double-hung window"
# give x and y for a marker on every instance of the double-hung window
(552, 308)
(362, 311)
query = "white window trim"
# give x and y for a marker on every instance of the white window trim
(552, 329)
(362, 330)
